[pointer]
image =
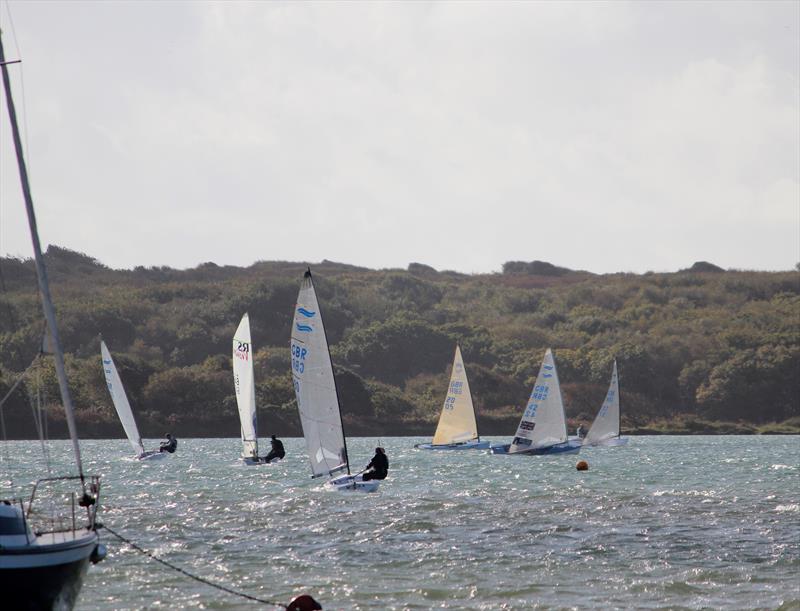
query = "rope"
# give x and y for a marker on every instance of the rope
(187, 573)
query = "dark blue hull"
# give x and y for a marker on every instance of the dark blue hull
(48, 578)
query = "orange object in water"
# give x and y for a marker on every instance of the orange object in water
(582, 465)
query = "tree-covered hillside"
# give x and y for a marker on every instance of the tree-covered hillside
(700, 350)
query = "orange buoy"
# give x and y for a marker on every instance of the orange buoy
(582, 465)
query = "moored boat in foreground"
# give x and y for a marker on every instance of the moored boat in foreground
(44, 554)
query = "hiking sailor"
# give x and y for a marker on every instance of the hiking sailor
(378, 467)
(277, 451)
(170, 445)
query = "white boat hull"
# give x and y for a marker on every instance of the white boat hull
(353, 483)
(249, 461)
(153, 455)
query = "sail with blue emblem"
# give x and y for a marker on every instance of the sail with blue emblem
(544, 422)
(314, 385)
(606, 423)
(457, 420)
(244, 384)
(120, 400)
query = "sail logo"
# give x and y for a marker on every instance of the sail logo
(306, 313)
(304, 328)
(105, 362)
(548, 367)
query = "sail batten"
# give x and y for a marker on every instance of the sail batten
(457, 419)
(544, 421)
(606, 423)
(244, 384)
(120, 400)
(315, 387)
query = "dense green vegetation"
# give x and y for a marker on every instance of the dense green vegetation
(700, 350)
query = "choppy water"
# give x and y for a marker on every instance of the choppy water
(692, 522)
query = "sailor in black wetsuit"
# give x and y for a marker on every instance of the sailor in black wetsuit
(378, 467)
(170, 445)
(277, 450)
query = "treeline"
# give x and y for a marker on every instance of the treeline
(699, 350)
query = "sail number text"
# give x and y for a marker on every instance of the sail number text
(298, 358)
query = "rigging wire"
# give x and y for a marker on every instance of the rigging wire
(6, 454)
(21, 84)
(188, 574)
(40, 419)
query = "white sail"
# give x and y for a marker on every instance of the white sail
(457, 420)
(606, 423)
(317, 399)
(544, 422)
(245, 386)
(120, 400)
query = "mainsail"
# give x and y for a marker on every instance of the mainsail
(120, 400)
(315, 388)
(245, 386)
(606, 423)
(457, 420)
(544, 422)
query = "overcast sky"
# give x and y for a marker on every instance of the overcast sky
(601, 136)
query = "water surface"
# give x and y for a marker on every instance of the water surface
(692, 522)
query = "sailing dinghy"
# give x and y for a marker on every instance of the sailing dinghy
(120, 400)
(457, 429)
(317, 396)
(605, 428)
(244, 383)
(543, 428)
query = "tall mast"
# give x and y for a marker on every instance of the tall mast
(619, 401)
(335, 385)
(41, 272)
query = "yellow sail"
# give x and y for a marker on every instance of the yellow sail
(457, 420)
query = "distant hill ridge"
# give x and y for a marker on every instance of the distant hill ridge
(64, 260)
(698, 350)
